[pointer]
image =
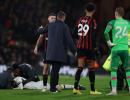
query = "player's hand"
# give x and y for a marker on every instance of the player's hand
(36, 50)
(110, 44)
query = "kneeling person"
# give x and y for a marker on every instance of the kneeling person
(26, 71)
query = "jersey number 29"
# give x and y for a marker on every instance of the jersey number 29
(83, 29)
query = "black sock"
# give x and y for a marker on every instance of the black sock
(45, 78)
(92, 79)
(77, 77)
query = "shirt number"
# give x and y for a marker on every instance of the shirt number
(83, 30)
(121, 32)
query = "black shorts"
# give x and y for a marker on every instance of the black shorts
(88, 54)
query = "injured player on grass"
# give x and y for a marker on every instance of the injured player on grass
(39, 85)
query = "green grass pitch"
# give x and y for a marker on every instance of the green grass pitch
(102, 84)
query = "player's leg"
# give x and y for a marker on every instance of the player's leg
(120, 78)
(92, 66)
(91, 70)
(91, 74)
(45, 72)
(127, 68)
(70, 87)
(114, 67)
(45, 76)
(81, 63)
(128, 78)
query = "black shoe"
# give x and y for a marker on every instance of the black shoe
(81, 87)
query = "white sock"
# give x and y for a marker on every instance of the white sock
(129, 89)
(114, 90)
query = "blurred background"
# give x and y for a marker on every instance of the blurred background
(19, 20)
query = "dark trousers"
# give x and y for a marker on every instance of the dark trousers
(54, 78)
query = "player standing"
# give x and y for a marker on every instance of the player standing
(43, 35)
(86, 46)
(119, 28)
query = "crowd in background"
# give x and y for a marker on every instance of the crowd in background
(18, 23)
(19, 20)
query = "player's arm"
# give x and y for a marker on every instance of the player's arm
(38, 43)
(41, 30)
(129, 34)
(107, 30)
(106, 34)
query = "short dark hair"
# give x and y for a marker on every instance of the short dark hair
(51, 14)
(120, 11)
(90, 7)
(14, 66)
(61, 14)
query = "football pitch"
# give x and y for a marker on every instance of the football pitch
(102, 85)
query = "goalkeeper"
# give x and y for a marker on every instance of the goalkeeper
(119, 28)
(121, 76)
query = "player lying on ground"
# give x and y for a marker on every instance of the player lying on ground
(39, 85)
(26, 71)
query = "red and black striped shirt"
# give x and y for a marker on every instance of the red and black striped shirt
(45, 37)
(86, 33)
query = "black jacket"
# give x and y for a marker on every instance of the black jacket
(6, 80)
(59, 42)
(28, 72)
